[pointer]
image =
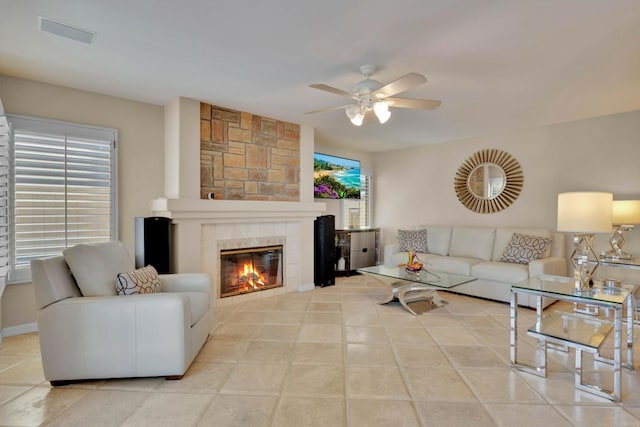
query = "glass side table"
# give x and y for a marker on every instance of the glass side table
(574, 327)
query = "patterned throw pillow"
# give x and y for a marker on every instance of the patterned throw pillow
(141, 281)
(523, 248)
(414, 240)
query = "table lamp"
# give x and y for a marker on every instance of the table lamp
(626, 213)
(584, 213)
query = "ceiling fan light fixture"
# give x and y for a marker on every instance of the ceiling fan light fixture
(354, 114)
(381, 109)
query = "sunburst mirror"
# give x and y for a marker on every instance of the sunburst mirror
(488, 181)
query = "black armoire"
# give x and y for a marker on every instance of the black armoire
(153, 243)
(324, 251)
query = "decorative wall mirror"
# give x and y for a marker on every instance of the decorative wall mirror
(488, 181)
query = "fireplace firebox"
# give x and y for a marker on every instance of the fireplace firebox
(250, 269)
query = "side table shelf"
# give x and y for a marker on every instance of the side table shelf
(356, 248)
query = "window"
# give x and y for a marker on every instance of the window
(357, 213)
(4, 199)
(63, 189)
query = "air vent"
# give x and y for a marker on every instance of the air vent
(65, 30)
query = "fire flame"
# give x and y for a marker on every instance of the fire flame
(250, 278)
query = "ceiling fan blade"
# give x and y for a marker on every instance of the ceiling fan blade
(321, 110)
(331, 89)
(423, 104)
(400, 85)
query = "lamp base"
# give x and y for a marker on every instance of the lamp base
(582, 270)
(617, 242)
(616, 256)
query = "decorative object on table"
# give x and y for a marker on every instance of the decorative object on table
(584, 213)
(413, 263)
(341, 264)
(489, 181)
(626, 213)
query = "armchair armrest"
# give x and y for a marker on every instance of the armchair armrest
(552, 265)
(115, 336)
(185, 282)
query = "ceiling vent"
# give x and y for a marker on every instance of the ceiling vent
(65, 30)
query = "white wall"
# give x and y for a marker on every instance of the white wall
(415, 186)
(140, 157)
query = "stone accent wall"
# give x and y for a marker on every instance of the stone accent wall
(248, 157)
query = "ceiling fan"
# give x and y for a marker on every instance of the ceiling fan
(371, 95)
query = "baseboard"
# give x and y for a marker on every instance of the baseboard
(23, 328)
(306, 287)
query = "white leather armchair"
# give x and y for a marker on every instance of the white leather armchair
(118, 336)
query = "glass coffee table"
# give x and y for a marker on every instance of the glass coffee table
(416, 291)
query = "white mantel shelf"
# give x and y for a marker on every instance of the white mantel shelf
(216, 211)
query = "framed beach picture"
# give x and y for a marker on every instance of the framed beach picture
(335, 177)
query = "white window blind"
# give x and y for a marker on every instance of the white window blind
(63, 188)
(4, 199)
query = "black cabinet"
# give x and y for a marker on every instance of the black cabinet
(356, 248)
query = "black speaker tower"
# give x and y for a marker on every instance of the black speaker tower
(324, 251)
(153, 243)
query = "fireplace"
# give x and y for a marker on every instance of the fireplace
(248, 270)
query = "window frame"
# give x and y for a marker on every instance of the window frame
(23, 275)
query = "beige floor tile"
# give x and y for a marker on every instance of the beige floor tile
(321, 353)
(268, 351)
(481, 321)
(380, 413)
(357, 306)
(320, 333)
(8, 361)
(453, 336)
(413, 336)
(38, 405)
(400, 319)
(592, 416)
(91, 410)
(290, 305)
(464, 308)
(256, 379)
(132, 384)
(464, 356)
(28, 372)
(235, 332)
(438, 319)
(247, 317)
(437, 384)
(362, 319)
(323, 317)
(325, 306)
(239, 410)
(284, 317)
(526, 415)
(21, 345)
(500, 385)
(169, 409)
(216, 350)
(309, 412)
(370, 355)
(287, 333)
(491, 336)
(558, 389)
(314, 381)
(8, 392)
(201, 377)
(453, 414)
(327, 296)
(375, 383)
(421, 357)
(366, 334)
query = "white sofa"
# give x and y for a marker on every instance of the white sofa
(116, 336)
(476, 251)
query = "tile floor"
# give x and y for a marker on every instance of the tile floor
(329, 357)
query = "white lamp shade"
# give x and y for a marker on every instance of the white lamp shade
(626, 212)
(585, 212)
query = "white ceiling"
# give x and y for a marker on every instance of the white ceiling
(496, 65)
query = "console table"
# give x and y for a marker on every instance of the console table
(569, 329)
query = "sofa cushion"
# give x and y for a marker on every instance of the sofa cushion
(471, 242)
(144, 280)
(503, 236)
(500, 272)
(413, 240)
(523, 248)
(450, 264)
(438, 240)
(96, 266)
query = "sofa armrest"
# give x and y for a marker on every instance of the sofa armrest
(555, 266)
(389, 250)
(186, 282)
(115, 336)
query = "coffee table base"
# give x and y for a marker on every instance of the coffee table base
(415, 298)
